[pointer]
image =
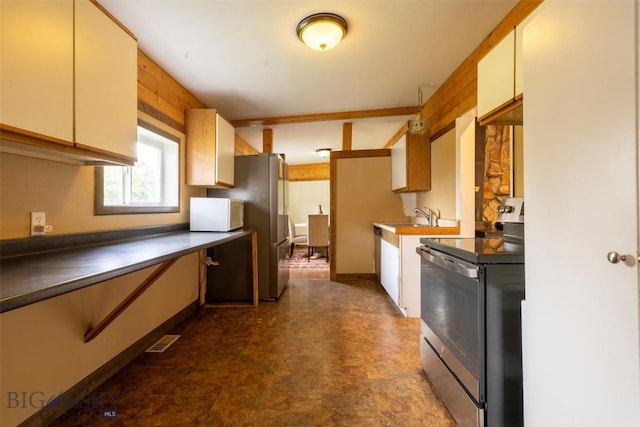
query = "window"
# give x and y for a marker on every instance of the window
(151, 185)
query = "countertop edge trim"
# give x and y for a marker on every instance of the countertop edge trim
(17, 301)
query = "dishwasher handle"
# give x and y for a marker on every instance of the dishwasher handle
(464, 268)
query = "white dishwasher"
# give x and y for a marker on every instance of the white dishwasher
(390, 265)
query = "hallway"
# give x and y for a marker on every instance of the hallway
(325, 354)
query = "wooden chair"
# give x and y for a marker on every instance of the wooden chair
(300, 239)
(318, 233)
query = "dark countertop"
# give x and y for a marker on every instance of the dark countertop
(480, 250)
(31, 278)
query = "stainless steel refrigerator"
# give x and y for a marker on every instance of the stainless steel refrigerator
(260, 180)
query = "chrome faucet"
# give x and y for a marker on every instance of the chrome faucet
(430, 215)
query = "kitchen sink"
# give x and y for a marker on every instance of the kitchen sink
(407, 224)
(441, 222)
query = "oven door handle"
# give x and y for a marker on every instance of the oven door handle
(458, 266)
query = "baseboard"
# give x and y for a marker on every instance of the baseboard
(355, 276)
(56, 408)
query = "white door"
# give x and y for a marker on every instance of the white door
(390, 270)
(581, 324)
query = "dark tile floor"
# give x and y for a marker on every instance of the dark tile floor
(325, 354)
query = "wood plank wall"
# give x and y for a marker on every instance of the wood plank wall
(309, 172)
(161, 96)
(458, 94)
(242, 147)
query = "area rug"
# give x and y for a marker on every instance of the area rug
(299, 261)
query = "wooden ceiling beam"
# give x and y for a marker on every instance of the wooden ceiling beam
(309, 172)
(324, 117)
(242, 147)
(267, 140)
(347, 134)
(403, 129)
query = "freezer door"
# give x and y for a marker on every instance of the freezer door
(278, 188)
(279, 274)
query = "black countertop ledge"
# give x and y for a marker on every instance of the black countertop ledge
(31, 278)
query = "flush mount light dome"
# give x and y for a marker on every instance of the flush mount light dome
(322, 31)
(323, 152)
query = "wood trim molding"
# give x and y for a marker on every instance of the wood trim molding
(113, 18)
(323, 117)
(333, 200)
(309, 172)
(442, 131)
(347, 135)
(56, 148)
(153, 277)
(242, 147)
(159, 115)
(404, 129)
(382, 152)
(267, 140)
(106, 155)
(12, 133)
(505, 114)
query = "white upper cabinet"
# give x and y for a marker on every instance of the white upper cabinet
(106, 95)
(36, 68)
(519, 90)
(399, 164)
(496, 77)
(68, 81)
(225, 151)
(210, 149)
(500, 89)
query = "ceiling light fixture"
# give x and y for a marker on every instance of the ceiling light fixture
(323, 152)
(322, 31)
(417, 123)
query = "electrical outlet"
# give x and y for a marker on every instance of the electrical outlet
(37, 223)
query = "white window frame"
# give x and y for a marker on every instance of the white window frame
(170, 183)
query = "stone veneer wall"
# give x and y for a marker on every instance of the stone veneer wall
(497, 170)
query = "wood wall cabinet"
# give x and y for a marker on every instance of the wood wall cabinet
(411, 163)
(68, 82)
(210, 149)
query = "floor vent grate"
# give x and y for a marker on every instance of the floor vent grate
(162, 344)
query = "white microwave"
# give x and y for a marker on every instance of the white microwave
(216, 214)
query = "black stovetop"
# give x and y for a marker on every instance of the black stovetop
(480, 250)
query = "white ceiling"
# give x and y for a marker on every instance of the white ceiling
(243, 58)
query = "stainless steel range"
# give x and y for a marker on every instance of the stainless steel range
(471, 345)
